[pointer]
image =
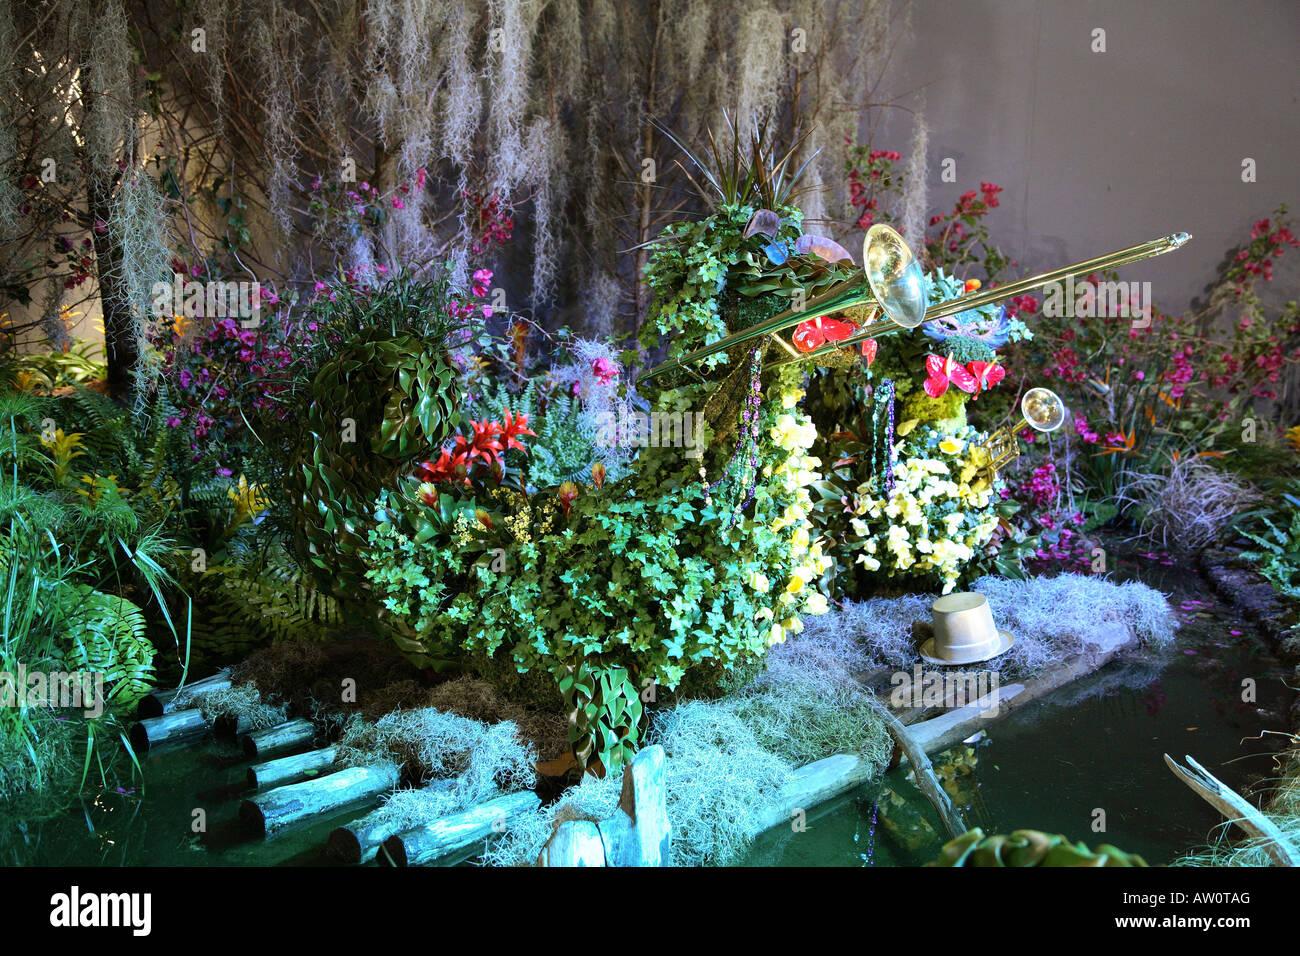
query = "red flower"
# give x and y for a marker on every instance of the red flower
(485, 444)
(940, 370)
(986, 374)
(814, 333)
(514, 428)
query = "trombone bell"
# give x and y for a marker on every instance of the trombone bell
(894, 276)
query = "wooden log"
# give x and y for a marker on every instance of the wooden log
(459, 836)
(232, 725)
(285, 770)
(639, 833)
(359, 841)
(268, 813)
(155, 733)
(158, 702)
(923, 774)
(1236, 809)
(574, 843)
(280, 739)
(812, 784)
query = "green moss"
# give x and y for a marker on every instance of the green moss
(948, 407)
(966, 350)
(742, 311)
(709, 680)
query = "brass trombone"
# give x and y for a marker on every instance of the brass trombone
(892, 286)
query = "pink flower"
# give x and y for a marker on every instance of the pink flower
(605, 370)
(398, 204)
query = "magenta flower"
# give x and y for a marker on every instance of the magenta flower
(605, 370)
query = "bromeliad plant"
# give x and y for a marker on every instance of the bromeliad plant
(385, 397)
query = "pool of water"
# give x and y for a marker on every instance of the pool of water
(1093, 747)
(185, 815)
(1092, 752)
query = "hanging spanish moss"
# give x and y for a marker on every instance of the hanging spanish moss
(110, 120)
(138, 224)
(916, 194)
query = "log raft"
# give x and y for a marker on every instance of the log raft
(457, 837)
(158, 733)
(359, 841)
(158, 702)
(838, 774)
(266, 814)
(286, 770)
(280, 739)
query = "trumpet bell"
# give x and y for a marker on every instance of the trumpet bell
(1043, 409)
(895, 276)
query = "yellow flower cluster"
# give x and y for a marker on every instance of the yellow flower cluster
(794, 433)
(935, 519)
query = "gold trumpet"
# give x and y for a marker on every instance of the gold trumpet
(892, 287)
(1041, 409)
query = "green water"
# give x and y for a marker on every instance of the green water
(156, 825)
(1094, 745)
(1097, 744)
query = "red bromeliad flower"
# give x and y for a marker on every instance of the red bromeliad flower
(515, 426)
(485, 444)
(488, 446)
(869, 350)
